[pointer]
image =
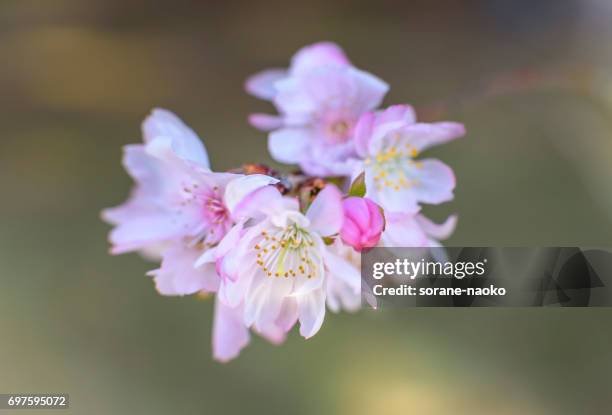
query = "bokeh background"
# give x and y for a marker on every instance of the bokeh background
(530, 79)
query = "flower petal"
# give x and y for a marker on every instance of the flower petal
(371, 90)
(403, 231)
(438, 231)
(261, 85)
(185, 142)
(325, 212)
(318, 54)
(311, 309)
(342, 270)
(363, 133)
(240, 191)
(230, 335)
(141, 232)
(288, 145)
(265, 299)
(435, 181)
(288, 315)
(265, 122)
(388, 198)
(401, 113)
(178, 276)
(423, 136)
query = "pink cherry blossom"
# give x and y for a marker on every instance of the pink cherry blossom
(275, 259)
(278, 269)
(178, 206)
(320, 98)
(388, 143)
(309, 57)
(363, 223)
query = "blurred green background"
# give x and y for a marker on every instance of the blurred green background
(531, 81)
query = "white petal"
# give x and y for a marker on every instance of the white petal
(184, 141)
(311, 309)
(265, 299)
(435, 181)
(438, 231)
(341, 269)
(402, 230)
(422, 136)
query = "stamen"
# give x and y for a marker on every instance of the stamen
(391, 163)
(287, 252)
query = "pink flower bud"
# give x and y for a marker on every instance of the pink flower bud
(363, 223)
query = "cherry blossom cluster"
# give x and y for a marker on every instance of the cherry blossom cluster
(279, 249)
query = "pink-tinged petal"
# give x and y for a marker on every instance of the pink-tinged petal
(143, 231)
(288, 315)
(329, 166)
(230, 335)
(239, 192)
(272, 333)
(342, 270)
(261, 85)
(325, 89)
(228, 242)
(332, 88)
(237, 270)
(233, 292)
(184, 141)
(294, 98)
(343, 284)
(438, 231)
(401, 113)
(178, 276)
(371, 90)
(143, 200)
(235, 260)
(145, 170)
(435, 181)
(422, 136)
(265, 299)
(266, 122)
(288, 145)
(258, 203)
(311, 309)
(403, 231)
(363, 133)
(325, 213)
(316, 55)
